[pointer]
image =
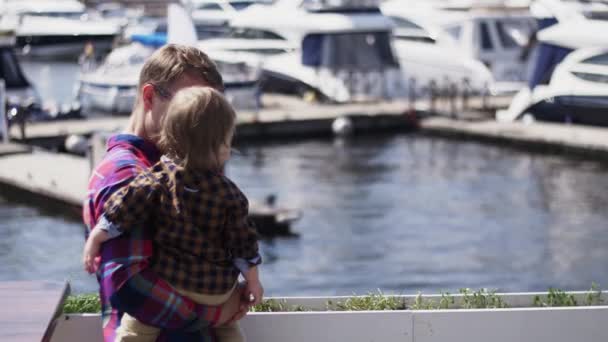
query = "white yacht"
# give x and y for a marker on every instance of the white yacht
(112, 87)
(55, 28)
(336, 52)
(19, 91)
(451, 42)
(570, 79)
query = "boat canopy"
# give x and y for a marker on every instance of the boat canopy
(154, 39)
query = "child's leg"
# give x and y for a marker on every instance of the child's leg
(132, 330)
(229, 333)
(225, 333)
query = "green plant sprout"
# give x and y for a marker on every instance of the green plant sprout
(273, 305)
(481, 299)
(377, 301)
(372, 302)
(555, 297)
(594, 296)
(84, 303)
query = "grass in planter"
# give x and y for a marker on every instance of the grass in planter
(371, 302)
(481, 299)
(555, 297)
(594, 297)
(445, 302)
(273, 305)
(85, 303)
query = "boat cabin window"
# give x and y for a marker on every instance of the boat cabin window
(349, 51)
(513, 33)
(454, 32)
(240, 5)
(69, 15)
(209, 7)
(591, 77)
(486, 37)
(506, 40)
(404, 23)
(407, 30)
(597, 60)
(246, 33)
(10, 70)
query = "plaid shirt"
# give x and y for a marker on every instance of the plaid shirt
(127, 283)
(200, 224)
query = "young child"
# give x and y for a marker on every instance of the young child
(202, 236)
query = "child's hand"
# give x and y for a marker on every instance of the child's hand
(254, 292)
(90, 255)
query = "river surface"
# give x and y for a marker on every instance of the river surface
(399, 213)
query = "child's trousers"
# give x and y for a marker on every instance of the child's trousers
(131, 330)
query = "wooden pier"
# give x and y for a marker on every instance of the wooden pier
(281, 117)
(30, 309)
(573, 140)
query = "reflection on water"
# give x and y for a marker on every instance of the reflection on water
(402, 214)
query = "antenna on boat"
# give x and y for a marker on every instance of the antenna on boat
(180, 27)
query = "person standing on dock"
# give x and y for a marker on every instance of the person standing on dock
(186, 192)
(127, 281)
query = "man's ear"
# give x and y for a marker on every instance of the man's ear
(147, 94)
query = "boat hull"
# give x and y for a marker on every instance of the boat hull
(52, 46)
(584, 110)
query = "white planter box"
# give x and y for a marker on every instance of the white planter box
(564, 324)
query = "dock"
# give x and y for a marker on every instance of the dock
(281, 117)
(567, 139)
(30, 309)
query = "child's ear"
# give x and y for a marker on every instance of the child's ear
(147, 93)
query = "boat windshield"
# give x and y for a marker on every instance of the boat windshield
(349, 51)
(10, 69)
(240, 5)
(248, 33)
(69, 15)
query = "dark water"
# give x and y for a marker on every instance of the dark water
(401, 213)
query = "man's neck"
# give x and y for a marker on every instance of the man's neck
(136, 124)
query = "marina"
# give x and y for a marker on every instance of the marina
(435, 148)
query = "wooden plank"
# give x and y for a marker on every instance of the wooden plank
(29, 309)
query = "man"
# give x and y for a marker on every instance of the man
(127, 284)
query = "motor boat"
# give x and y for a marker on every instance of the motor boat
(335, 52)
(466, 43)
(56, 28)
(570, 79)
(112, 87)
(23, 103)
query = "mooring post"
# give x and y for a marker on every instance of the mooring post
(465, 93)
(453, 93)
(432, 97)
(484, 97)
(3, 118)
(411, 98)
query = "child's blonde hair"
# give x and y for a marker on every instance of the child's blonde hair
(199, 121)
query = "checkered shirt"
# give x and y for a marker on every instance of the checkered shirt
(127, 283)
(200, 223)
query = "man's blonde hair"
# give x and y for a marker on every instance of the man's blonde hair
(199, 121)
(171, 61)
